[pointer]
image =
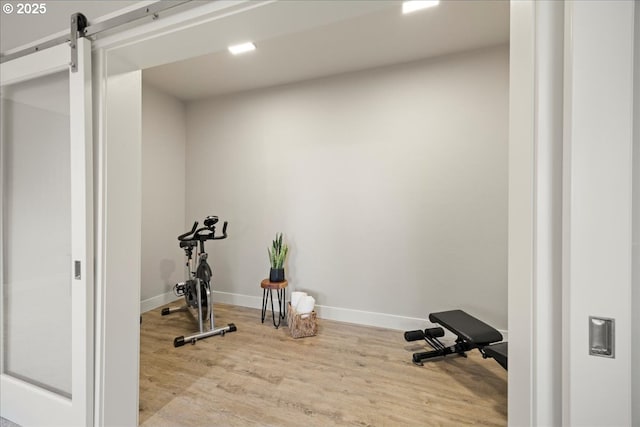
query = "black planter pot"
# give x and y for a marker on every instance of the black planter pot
(276, 275)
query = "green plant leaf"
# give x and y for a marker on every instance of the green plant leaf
(278, 252)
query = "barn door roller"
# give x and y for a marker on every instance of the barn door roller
(78, 25)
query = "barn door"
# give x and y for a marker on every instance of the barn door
(46, 310)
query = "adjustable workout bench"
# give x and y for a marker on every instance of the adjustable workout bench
(471, 333)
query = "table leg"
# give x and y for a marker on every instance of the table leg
(282, 302)
(267, 295)
(264, 304)
(273, 312)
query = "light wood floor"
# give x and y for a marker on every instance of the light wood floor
(346, 375)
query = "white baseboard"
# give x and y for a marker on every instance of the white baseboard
(360, 317)
(370, 318)
(250, 301)
(157, 301)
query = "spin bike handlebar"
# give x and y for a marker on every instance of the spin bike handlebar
(204, 233)
(208, 233)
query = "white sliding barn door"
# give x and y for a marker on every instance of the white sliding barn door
(46, 310)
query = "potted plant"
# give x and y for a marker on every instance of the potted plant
(277, 254)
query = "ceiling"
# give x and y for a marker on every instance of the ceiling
(374, 39)
(376, 35)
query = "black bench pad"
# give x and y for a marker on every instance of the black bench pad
(467, 327)
(499, 352)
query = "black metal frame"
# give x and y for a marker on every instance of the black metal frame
(440, 350)
(282, 297)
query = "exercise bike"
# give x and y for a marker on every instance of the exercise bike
(196, 289)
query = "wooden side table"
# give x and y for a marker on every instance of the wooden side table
(281, 289)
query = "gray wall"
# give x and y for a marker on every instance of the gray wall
(163, 194)
(390, 185)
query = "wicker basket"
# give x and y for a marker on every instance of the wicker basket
(299, 327)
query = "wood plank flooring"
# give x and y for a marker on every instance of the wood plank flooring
(347, 375)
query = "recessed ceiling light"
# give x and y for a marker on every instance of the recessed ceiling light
(413, 5)
(242, 48)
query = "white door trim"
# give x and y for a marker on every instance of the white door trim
(535, 215)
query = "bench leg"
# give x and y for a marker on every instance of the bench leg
(460, 347)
